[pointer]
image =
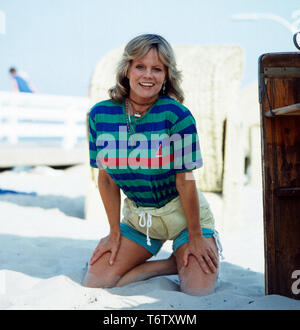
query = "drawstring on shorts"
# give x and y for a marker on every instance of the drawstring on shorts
(143, 223)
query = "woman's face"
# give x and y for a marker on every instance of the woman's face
(146, 77)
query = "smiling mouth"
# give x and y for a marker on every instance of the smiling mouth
(146, 84)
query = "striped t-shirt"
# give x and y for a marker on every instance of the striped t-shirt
(143, 163)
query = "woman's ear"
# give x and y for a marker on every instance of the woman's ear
(127, 71)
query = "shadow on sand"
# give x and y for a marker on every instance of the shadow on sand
(71, 206)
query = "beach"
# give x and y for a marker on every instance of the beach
(45, 245)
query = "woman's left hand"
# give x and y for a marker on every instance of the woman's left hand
(199, 247)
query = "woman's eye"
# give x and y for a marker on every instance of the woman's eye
(157, 69)
(139, 67)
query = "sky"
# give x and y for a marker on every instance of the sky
(59, 42)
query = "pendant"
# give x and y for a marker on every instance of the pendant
(137, 115)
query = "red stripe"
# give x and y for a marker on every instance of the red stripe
(137, 161)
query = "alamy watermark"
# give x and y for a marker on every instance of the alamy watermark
(166, 152)
(296, 284)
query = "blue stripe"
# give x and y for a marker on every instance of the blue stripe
(140, 128)
(152, 201)
(188, 130)
(107, 110)
(140, 176)
(108, 127)
(179, 112)
(93, 163)
(183, 116)
(92, 146)
(144, 201)
(160, 189)
(154, 126)
(136, 189)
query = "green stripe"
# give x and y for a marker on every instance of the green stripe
(141, 182)
(181, 125)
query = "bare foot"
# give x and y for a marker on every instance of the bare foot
(150, 269)
(173, 264)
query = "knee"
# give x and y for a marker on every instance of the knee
(94, 281)
(196, 285)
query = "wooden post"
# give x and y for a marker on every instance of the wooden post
(279, 85)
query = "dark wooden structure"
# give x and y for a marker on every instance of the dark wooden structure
(279, 91)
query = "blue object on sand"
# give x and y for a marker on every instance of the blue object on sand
(19, 169)
(5, 191)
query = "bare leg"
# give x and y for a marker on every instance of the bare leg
(193, 280)
(150, 269)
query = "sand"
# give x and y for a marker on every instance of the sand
(45, 244)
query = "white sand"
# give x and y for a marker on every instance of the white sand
(45, 244)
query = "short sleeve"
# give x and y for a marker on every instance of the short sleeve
(186, 146)
(92, 142)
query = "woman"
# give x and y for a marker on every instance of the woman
(145, 142)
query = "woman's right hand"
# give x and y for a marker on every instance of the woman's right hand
(110, 243)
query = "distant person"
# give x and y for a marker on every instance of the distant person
(21, 82)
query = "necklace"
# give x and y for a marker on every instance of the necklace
(137, 114)
(128, 120)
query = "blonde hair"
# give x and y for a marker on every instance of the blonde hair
(136, 49)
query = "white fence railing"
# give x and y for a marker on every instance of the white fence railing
(36, 125)
(37, 116)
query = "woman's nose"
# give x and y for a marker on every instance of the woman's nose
(148, 73)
